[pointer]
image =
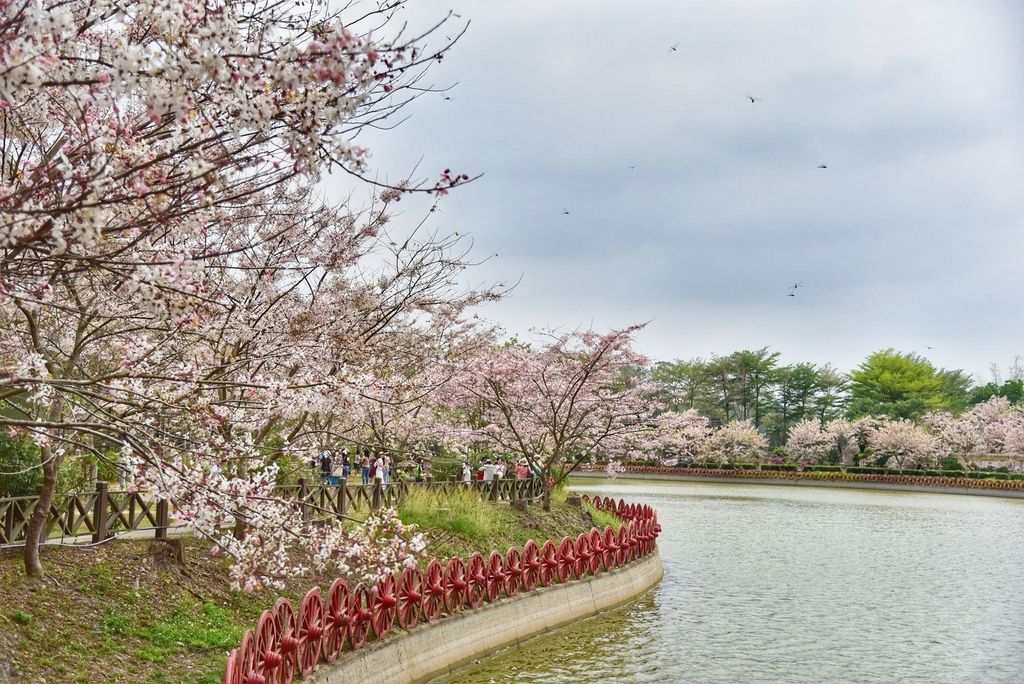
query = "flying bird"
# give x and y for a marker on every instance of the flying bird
(793, 288)
(753, 99)
(633, 167)
(673, 48)
(822, 166)
(565, 212)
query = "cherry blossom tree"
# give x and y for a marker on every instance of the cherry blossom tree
(738, 441)
(904, 443)
(560, 403)
(169, 284)
(808, 442)
(684, 434)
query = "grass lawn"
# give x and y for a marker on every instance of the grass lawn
(128, 611)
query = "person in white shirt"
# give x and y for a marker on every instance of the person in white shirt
(489, 470)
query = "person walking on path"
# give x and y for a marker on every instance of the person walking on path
(378, 469)
(346, 465)
(326, 465)
(364, 465)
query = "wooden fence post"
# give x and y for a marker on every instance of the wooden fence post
(495, 484)
(7, 535)
(375, 502)
(342, 495)
(163, 510)
(99, 513)
(303, 493)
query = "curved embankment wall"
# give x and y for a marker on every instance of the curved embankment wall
(437, 648)
(801, 482)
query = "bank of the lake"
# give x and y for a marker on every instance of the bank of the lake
(430, 650)
(768, 584)
(128, 611)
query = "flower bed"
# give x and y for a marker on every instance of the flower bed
(286, 642)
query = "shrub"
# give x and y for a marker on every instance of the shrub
(19, 456)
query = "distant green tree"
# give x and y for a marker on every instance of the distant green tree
(899, 385)
(832, 393)
(1012, 390)
(795, 390)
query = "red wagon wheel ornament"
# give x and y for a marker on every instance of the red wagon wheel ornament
(610, 548)
(243, 662)
(336, 620)
(232, 671)
(433, 591)
(455, 585)
(495, 576)
(410, 592)
(310, 631)
(587, 560)
(265, 657)
(384, 605)
(531, 565)
(287, 640)
(566, 559)
(622, 541)
(359, 616)
(513, 571)
(549, 560)
(476, 577)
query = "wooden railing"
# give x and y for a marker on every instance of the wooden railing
(104, 513)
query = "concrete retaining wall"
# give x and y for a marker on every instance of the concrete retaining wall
(784, 482)
(438, 648)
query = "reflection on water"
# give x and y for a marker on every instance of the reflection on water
(780, 584)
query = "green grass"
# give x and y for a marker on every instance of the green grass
(124, 612)
(462, 512)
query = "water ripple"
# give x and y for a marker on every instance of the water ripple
(777, 584)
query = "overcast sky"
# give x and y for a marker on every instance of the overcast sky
(693, 208)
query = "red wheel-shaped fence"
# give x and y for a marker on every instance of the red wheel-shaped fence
(587, 560)
(283, 641)
(549, 560)
(310, 630)
(232, 670)
(433, 591)
(384, 605)
(631, 539)
(410, 591)
(531, 565)
(495, 576)
(622, 539)
(287, 640)
(476, 576)
(455, 585)
(359, 614)
(566, 559)
(336, 620)
(597, 543)
(265, 657)
(244, 658)
(513, 571)
(610, 549)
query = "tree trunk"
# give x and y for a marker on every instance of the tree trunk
(36, 531)
(546, 499)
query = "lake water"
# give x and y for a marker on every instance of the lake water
(780, 584)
